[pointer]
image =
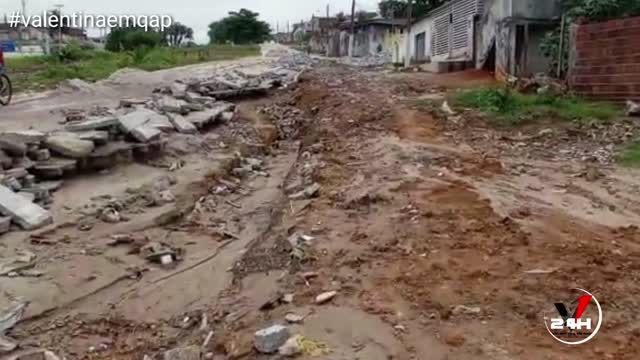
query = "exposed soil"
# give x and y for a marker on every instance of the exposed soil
(443, 239)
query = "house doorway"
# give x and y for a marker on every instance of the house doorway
(421, 47)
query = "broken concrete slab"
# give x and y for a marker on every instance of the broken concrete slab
(178, 90)
(194, 97)
(28, 195)
(5, 224)
(181, 124)
(24, 136)
(99, 137)
(200, 119)
(129, 102)
(145, 133)
(42, 155)
(17, 173)
(5, 160)
(170, 105)
(134, 119)
(23, 162)
(26, 214)
(70, 146)
(10, 315)
(160, 122)
(227, 116)
(633, 108)
(13, 147)
(50, 186)
(54, 168)
(6, 345)
(99, 123)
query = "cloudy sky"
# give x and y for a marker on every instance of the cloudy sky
(198, 13)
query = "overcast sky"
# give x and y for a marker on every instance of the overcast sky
(198, 13)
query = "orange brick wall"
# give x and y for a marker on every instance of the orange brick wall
(606, 60)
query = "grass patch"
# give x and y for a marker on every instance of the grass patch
(631, 155)
(510, 108)
(43, 72)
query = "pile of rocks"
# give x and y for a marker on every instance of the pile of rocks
(379, 59)
(32, 159)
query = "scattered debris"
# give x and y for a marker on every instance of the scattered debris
(10, 315)
(161, 253)
(325, 297)
(294, 318)
(183, 353)
(292, 347)
(466, 310)
(308, 192)
(447, 109)
(270, 339)
(6, 345)
(26, 214)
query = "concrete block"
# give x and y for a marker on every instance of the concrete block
(24, 136)
(98, 123)
(13, 147)
(145, 133)
(28, 195)
(69, 146)
(26, 214)
(17, 173)
(99, 137)
(5, 224)
(181, 124)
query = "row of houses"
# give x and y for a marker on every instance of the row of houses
(501, 35)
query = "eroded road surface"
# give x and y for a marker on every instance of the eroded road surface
(426, 236)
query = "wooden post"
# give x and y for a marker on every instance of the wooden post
(561, 47)
(353, 27)
(407, 55)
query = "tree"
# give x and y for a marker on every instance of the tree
(365, 15)
(175, 34)
(240, 27)
(132, 38)
(398, 8)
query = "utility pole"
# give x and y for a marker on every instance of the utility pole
(353, 27)
(327, 10)
(407, 54)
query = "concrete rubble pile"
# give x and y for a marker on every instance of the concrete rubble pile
(34, 162)
(379, 59)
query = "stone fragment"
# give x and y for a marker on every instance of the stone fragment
(13, 147)
(291, 347)
(5, 160)
(26, 214)
(294, 318)
(17, 173)
(129, 102)
(325, 297)
(99, 137)
(270, 339)
(50, 186)
(181, 124)
(170, 105)
(193, 97)
(69, 146)
(145, 133)
(5, 224)
(203, 118)
(10, 315)
(31, 197)
(178, 90)
(12, 183)
(23, 162)
(97, 123)
(227, 116)
(308, 192)
(183, 353)
(43, 155)
(24, 136)
(6, 345)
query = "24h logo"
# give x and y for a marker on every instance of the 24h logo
(576, 323)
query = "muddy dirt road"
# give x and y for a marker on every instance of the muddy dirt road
(436, 237)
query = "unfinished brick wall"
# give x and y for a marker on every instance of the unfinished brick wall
(605, 61)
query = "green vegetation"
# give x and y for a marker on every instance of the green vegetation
(42, 72)
(240, 27)
(583, 11)
(631, 155)
(398, 8)
(508, 108)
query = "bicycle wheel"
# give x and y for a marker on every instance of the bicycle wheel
(6, 91)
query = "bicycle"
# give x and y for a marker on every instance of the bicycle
(6, 89)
